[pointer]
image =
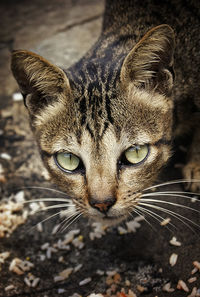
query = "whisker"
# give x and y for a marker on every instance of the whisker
(46, 200)
(48, 218)
(169, 194)
(67, 219)
(138, 212)
(150, 213)
(75, 219)
(181, 192)
(172, 183)
(70, 220)
(53, 206)
(170, 203)
(42, 188)
(156, 216)
(174, 214)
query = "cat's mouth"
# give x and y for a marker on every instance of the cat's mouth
(111, 215)
(110, 219)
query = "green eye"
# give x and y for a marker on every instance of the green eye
(67, 161)
(136, 154)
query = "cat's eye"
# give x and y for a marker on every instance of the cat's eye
(67, 161)
(136, 154)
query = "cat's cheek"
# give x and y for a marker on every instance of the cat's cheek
(137, 177)
(72, 184)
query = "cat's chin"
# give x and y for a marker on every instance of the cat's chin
(109, 220)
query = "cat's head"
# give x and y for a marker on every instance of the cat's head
(103, 139)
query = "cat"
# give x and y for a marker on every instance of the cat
(105, 127)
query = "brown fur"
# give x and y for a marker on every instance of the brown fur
(132, 104)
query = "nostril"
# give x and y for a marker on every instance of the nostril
(102, 205)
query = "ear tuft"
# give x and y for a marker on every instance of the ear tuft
(150, 63)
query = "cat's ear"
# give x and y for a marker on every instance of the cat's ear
(149, 64)
(40, 81)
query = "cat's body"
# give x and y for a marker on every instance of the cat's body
(113, 115)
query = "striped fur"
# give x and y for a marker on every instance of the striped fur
(118, 95)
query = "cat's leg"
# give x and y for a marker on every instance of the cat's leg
(191, 170)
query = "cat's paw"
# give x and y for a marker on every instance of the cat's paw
(191, 171)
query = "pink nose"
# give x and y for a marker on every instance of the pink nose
(104, 205)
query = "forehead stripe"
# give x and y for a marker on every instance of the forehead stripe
(163, 141)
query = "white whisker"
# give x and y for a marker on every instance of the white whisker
(169, 194)
(43, 188)
(53, 206)
(47, 200)
(140, 209)
(75, 219)
(181, 192)
(67, 219)
(156, 217)
(70, 220)
(170, 203)
(172, 183)
(50, 217)
(174, 214)
(139, 214)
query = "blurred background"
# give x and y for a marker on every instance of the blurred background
(60, 30)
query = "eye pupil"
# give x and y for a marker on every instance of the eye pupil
(136, 154)
(67, 161)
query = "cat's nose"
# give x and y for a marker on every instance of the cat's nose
(102, 205)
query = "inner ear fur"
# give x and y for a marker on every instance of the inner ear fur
(38, 77)
(149, 64)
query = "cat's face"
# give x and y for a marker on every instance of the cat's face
(103, 156)
(96, 170)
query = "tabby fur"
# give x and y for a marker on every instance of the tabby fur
(121, 93)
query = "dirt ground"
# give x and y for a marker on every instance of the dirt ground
(98, 259)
